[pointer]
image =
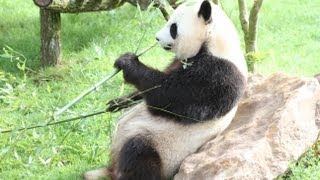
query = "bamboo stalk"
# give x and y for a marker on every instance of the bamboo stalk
(84, 93)
(94, 87)
(53, 123)
(147, 49)
(75, 100)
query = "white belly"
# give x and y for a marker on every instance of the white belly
(173, 141)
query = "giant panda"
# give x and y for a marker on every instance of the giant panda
(185, 106)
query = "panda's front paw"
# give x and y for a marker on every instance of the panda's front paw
(126, 60)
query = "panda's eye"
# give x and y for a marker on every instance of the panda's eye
(173, 30)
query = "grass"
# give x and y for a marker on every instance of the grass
(308, 166)
(289, 40)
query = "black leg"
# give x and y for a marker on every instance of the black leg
(139, 160)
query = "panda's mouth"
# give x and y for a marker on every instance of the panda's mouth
(168, 47)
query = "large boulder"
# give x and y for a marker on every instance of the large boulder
(277, 121)
(317, 76)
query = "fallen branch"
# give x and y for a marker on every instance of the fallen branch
(76, 6)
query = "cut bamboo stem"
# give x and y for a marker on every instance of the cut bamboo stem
(94, 87)
(53, 123)
(84, 93)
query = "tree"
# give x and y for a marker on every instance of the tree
(50, 21)
(249, 23)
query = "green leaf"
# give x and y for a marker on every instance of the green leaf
(8, 47)
(21, 66)
(49, 90)
(191, 3)
(7, 56)
(4, 151)
(180, 1)
(30, 160)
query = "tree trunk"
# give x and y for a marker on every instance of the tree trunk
(249, 24)
(50, 21)
(253, 21)
(50, 37)
(42, 3)
(243, 16)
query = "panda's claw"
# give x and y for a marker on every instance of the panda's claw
(125, 60)
(118, 104)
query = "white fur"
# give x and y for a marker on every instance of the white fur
(221, 35)
(172, 140)
(191, 31)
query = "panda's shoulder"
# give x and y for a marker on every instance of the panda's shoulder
(215, 64)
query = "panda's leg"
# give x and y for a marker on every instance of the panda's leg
(138, 160)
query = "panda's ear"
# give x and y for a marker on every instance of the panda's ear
(205, 11)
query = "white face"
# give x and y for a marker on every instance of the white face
(185, 32)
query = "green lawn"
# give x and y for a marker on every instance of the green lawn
(289, 40)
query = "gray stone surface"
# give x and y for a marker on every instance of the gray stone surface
(277, 121)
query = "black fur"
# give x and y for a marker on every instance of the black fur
(205, 11)
(118, 104)
(174, 30)
(139, 160)
(207, 89)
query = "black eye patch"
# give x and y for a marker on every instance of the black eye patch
(173, 30)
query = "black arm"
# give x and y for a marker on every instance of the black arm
(117, 104)
(138, 74)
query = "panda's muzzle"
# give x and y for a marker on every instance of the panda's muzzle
(164, 45)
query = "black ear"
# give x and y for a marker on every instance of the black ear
(205, 11)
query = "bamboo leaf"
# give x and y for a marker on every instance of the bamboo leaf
(30, 160)
(7, 56)
(180, 1)
(4, 151)
(16, 155)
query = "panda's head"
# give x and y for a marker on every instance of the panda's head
(187, 29)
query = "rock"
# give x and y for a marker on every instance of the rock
(317, 77)
(277, 121)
